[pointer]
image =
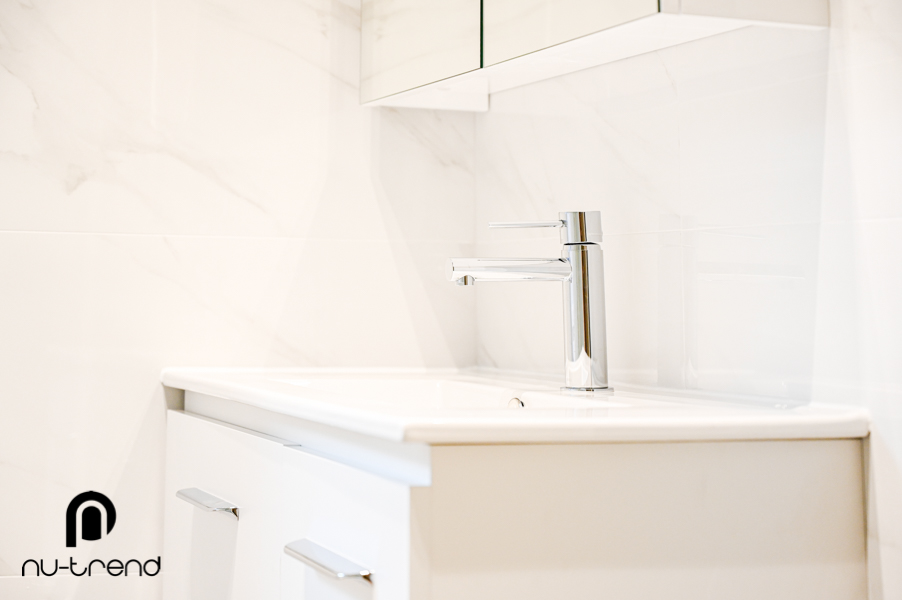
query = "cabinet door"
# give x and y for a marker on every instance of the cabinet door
(516, 27)
(409, 43)
(209, 555)
(361, 517)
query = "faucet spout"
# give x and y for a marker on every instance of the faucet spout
(467, 271)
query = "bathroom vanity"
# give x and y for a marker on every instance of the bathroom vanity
(441, 485)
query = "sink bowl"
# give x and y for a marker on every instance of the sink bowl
(448, 394)
(472, 407)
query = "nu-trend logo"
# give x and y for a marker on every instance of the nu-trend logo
(91, 521)
(91, 516)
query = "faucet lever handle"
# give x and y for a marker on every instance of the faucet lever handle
(524, 224)
(578, 227)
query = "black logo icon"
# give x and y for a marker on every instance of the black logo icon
(91, 524)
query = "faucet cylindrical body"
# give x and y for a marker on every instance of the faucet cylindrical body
(584, 319)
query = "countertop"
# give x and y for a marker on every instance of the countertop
(447, 406)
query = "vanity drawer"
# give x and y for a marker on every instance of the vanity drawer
(213, 555)
(359, 516)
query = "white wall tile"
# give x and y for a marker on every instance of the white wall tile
(520, 325)
(250, 126)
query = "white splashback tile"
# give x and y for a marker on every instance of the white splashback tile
(743, 60)
(706, 163)
(530, 168)
(17, 104)
(722, 310)
(753, 157)
(755, 301)
(520, 325)
(859, 293)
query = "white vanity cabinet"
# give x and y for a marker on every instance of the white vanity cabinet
(284, 494)
(775, 519)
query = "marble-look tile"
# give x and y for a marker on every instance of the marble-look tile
(91, 59)
(72, 100)
(519, 324)
(746, 59)
(64, 587)
(866, 62)
(280, 131)
(531, 168)
(724, 131)
(603, 139)
(422, 166)
(339, 312)
(248, 124)
(755, 302)
(859, 292)
(753, 157)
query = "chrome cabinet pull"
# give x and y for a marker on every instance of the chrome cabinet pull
(326, 561)
(207, 502)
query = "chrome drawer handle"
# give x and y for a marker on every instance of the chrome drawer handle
(207, 502)
(326, 561)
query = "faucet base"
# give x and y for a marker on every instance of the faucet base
(588, 390)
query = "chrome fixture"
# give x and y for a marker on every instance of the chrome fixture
(581, 269)
(325, 561)
(207, 502)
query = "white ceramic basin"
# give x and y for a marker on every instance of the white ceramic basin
(446, 394)
(454, 407)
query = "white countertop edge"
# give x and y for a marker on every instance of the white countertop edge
(688, 430)
(826, 420)
(334, 415)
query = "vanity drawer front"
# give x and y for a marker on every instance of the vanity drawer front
(359, 516)
(212, 555)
